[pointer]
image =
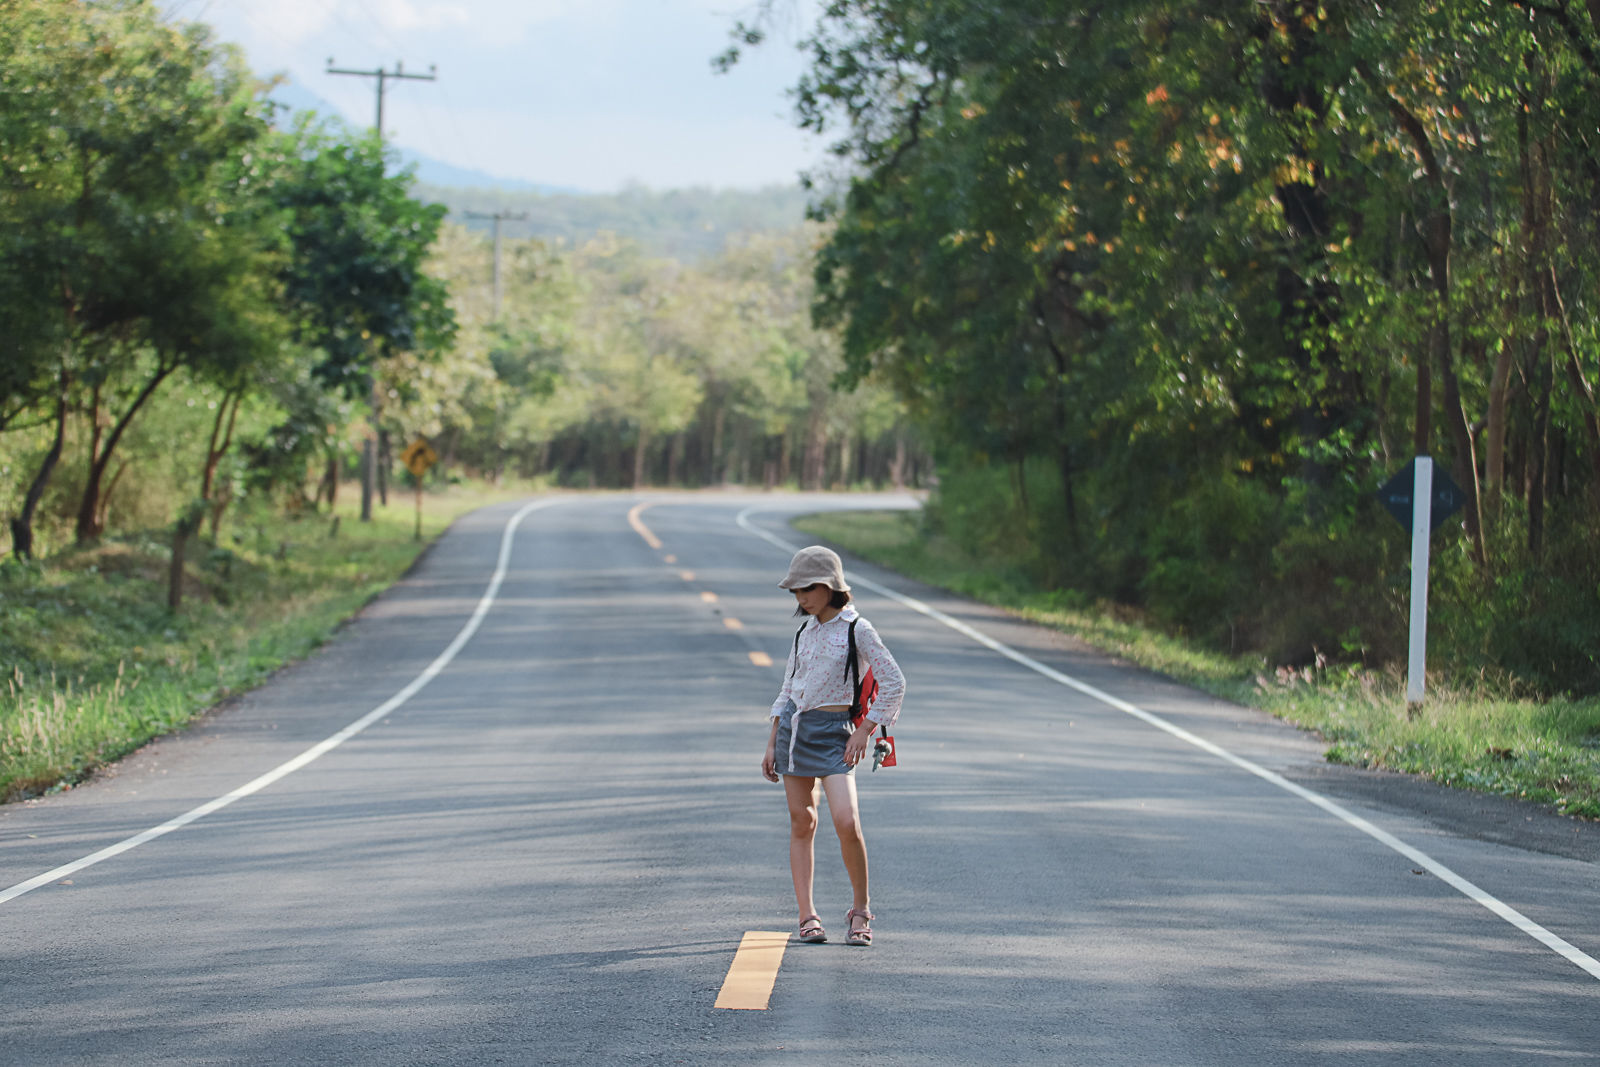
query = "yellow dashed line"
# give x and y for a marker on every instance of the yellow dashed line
(732, 623)
(709, 597)
(754, 971)
(669, 558)
(761, 659)
(640, 528)
(687, 576)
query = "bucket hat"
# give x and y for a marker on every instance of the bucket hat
(813, 565)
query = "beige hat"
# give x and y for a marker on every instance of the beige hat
(813, 565)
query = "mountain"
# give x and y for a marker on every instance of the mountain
(297, 98)
(683, 224)
(680, 223)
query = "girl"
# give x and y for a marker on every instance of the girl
(813, 746)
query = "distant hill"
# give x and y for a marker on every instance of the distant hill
(297, 98)
(681, 223)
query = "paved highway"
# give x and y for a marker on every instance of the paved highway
(513, 813)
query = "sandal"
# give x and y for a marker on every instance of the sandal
(863, 936)
(811, 931)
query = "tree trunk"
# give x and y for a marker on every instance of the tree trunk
(89, 506)
(385, 461)
(1440, 240)
(1494, 452)
(813, 465)
(1539, 458)
(22, 523)
(638, 458)
(714, 458)
(184, 529)
(105, 497)
(1580, 383)
(227, 413)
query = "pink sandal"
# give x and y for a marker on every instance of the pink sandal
(811, 931)
(863, 936)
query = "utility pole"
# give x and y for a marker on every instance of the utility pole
(369, 461)
(498, 217)
(398, 73)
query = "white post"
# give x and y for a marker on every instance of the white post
(1421, 528)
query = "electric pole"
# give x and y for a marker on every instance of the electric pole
(369, 461)
(498, 217)
(398, 73)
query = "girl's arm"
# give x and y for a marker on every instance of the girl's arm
(786, 693)
(891, 682)
(769, 762)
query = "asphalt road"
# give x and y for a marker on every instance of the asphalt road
(548, 853)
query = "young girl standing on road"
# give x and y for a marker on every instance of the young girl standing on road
(813, 746)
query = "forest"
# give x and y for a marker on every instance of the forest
(1175, 287)
(210, 305)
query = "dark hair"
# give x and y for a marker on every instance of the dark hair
(838, 600)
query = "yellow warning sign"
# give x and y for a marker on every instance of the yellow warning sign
(418, 457)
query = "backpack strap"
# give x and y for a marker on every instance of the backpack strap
(853, 666)
(795, 656)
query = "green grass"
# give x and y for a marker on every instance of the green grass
(96, 665)
(1476, 733)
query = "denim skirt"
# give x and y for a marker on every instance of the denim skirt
(811, 743)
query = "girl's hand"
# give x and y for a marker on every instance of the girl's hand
(855, 749)
(769, 765)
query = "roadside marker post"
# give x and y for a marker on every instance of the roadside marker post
(1421, 529)
(1421, 498)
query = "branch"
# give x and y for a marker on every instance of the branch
(1563, 17)
(1408, 122)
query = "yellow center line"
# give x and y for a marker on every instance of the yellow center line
(709, 597)
(761, 659)
(669, 558)
(687, 576)
(754, 971)
(732, 623)
(640, 528)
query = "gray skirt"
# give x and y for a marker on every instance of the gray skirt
(811, 743)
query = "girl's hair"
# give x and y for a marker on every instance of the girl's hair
(838, 600)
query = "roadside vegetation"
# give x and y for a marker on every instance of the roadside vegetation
(1479, 732)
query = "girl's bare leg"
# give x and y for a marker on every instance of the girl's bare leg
(846, 815)
(802, 795)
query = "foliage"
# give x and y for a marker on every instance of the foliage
(1224, 267)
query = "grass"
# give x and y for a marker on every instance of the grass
(95, 665)
(1476, 733)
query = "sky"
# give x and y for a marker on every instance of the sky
(591, 95)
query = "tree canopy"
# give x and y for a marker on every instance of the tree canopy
(1221, 268)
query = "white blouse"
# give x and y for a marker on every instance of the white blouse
(819, 679)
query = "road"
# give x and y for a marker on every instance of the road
(548, 849)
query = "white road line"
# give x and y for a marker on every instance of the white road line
(1565, 949)
(314, 752)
